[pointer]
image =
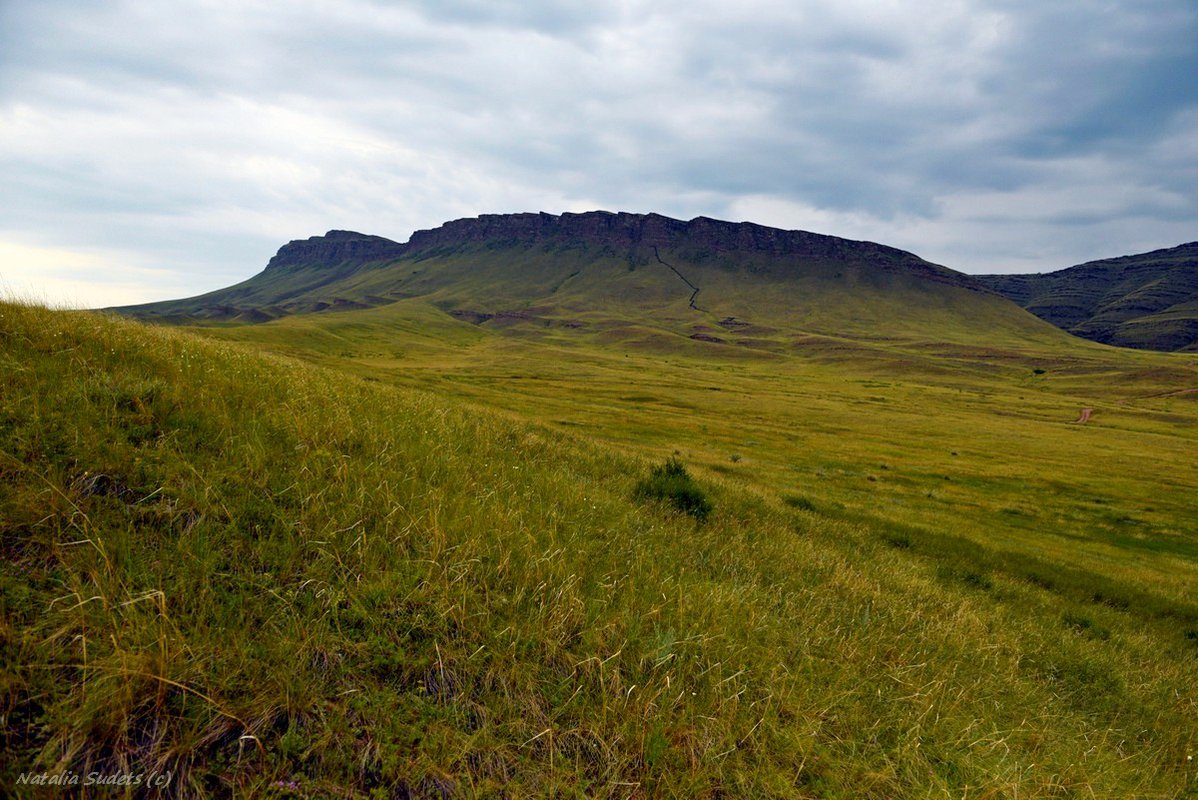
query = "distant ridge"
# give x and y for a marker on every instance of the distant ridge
(1149, 300)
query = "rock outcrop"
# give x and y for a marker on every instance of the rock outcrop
(334, 248)
(624, 232)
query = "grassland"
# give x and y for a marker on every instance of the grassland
(419, 568)
(978, 442)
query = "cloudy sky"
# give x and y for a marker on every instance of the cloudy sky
(151, 150)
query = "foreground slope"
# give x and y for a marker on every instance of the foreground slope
(1148, 300)
(239, 571)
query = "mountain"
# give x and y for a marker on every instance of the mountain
(301, 269)
(706, 279)
(1148, 301)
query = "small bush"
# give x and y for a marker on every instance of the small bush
(798, 501)
(671, 482)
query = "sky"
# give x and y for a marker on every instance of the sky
(154, 150)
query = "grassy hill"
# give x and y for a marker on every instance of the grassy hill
(1147, 301)
(283, 580)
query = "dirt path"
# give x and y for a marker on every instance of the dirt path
(1085, 416)
(1173, 393)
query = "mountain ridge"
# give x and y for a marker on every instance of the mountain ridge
(604, 228)
(508, 265)
(1145, 300)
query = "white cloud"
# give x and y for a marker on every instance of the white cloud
(78, 279)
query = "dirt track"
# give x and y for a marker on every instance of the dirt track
(1173, 393)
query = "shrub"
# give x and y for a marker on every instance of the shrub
(671, 482)
(798, 501)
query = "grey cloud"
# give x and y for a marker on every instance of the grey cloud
(122, 122)
(554, 17)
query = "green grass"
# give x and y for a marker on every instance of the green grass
(947, 438)
(244, 569)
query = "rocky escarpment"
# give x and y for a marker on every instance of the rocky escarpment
(618, 232)
(335, 247)
(649, 230)
(625, 232)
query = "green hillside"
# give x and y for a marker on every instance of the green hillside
(277, 580)
(303, 269)
(1146, 301)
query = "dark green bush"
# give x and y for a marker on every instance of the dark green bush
(671, 482)
(798, 501)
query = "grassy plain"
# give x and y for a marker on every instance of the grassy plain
(417, 565)
(978, 442)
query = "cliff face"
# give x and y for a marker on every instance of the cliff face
(623, 232)
(630, 230)
(335, 247)
(597, 228)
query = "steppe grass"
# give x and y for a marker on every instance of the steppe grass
(949, 442)
(272, 579)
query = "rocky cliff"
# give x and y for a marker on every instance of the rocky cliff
(335, 247)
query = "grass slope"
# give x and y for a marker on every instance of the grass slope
(242, 570)
(1148, 300)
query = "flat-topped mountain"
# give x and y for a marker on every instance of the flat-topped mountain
(702, 234)
(1148, 300)
(702, 278)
